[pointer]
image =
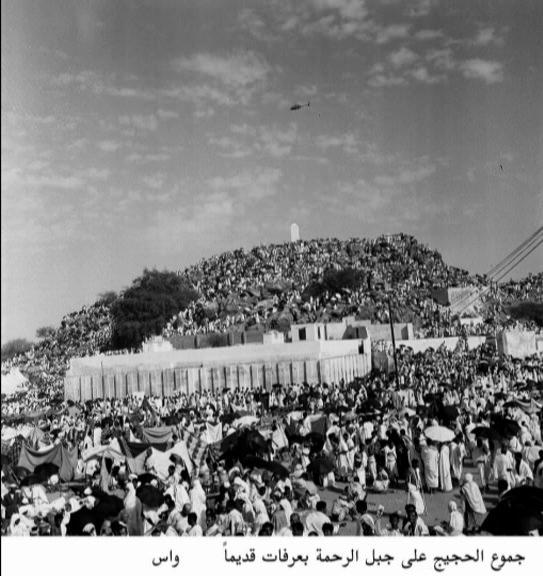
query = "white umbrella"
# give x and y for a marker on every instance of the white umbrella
(439, 434)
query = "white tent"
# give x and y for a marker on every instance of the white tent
(12, 382)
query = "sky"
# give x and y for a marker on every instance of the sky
(156, 133)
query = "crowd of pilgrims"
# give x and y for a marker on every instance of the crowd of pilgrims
(382, 447)
(373, 441)
(267, 285)
(265, 288)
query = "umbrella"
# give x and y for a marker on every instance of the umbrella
(150, 496)
(108, 506)
(449, 412)
(273, 467)
(44, 471)
(30, 480)
(517, 513)
(321, 465)
(485, 432)
(79, 519)
(228, 418)
(146, 478)
(506, 427)
(439, 434)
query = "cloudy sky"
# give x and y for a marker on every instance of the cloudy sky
(155, 133)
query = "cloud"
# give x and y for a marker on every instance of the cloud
(379, 77)
(277, 142)
(147, 122)
(167, 114)
(348, 142)
(255, 25)
(488, 35)
(231, 147)
(392, 32)
(421, 74)
(109, 145)
(210, 80)
(235, 71)
(442, 58)
(394, 197)
(274, 141)
(90, 81)
(406, 176)
(425, 35)
(490, 72)
(154, 181)
(336, 19)
(421, 8)
(248, 185)
(402, 57)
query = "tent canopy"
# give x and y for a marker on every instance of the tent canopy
(12, 381)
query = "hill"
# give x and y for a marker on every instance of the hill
(270, 287)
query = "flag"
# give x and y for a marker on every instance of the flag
(130, 462)
(196, 446)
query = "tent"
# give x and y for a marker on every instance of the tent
(12, 381)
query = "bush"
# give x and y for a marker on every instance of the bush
(144, 309)
(527, 311)
(14, 348)
(336, 281)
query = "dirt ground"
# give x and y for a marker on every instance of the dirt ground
(395, 499)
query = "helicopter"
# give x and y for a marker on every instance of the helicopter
(300, 106)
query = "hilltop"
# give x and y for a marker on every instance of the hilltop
(270, 287)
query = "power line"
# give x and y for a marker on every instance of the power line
(498, 268)
(523, 257)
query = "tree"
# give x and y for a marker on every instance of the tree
(45, 332)
(143, 309)
(14, 348)
(335, 281)
(107, 298)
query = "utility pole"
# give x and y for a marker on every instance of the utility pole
(393, 340)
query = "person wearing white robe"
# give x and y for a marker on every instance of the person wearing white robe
(456, 521)
(524, 474)
(458, 453)
(481, 458)
(504, 466)
(342, 460)
(430, 460)
(133, 511)
(474, 506)
(361, 470)
(198, 501)
(414, 497)
(445, 480)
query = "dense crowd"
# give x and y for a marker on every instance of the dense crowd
(260, 462)
(312, 459)
(267, 285)
(82, 333)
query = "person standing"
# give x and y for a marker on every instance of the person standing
(445, 480)
(458, 453)
(474, 506)
(430, 459)
(481, 457)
